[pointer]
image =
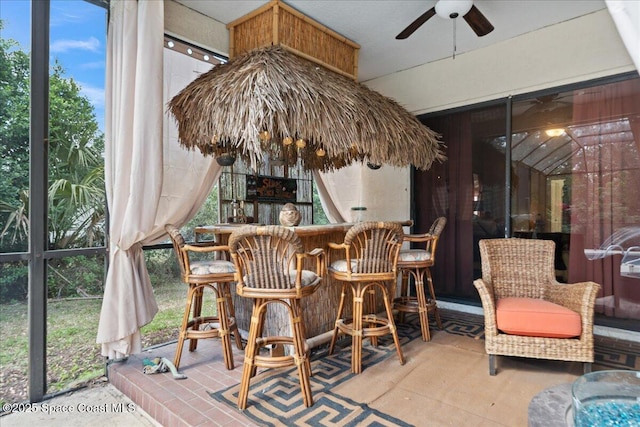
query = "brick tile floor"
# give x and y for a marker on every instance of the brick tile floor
(185, 402)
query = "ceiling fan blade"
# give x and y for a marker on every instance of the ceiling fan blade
(416, 24)
(478, 22)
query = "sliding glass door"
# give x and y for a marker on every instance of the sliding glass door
(468, 189)
(562, 166)
(576, 158)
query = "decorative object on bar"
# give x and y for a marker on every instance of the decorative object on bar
(237, 212)
(290, 215)
(269, 264)
(212, 274)
(417, 262)
(358, 213)
(366, 264)
(269, 100)
(527, 312)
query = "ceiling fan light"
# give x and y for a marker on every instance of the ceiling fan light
(554, 132)
(450, 9)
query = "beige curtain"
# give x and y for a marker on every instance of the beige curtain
(150, 181)
(626, 16)
(339, 191)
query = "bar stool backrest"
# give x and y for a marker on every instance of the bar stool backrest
(267, 257)
(178, 243)
(436, 230)
(374, 246)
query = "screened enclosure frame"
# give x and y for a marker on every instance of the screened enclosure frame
(38, 254)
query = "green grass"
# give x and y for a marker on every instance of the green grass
(73, 357)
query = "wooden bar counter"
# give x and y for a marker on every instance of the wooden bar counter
(320, 309)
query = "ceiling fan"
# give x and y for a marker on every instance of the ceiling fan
(451, 9)
(549, 103)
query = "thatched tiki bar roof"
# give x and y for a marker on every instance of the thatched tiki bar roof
(270, 100)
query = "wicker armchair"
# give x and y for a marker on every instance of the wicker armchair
(524, 268)
(417, 262)
(212, 274)
(366, 262)
(270, 263)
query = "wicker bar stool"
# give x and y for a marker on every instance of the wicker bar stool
(269, 262)
(417, 262)
(215, 275)
(369, 256)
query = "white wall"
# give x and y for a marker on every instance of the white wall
(581, 49)
(384, 192)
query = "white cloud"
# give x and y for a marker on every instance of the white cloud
(93, 93)
(93, 65)
(92, 44)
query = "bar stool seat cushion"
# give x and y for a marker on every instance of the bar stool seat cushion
(341, 264)
(308, 278)
(412, 255)
(212, 267)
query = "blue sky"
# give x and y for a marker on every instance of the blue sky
(78, 41)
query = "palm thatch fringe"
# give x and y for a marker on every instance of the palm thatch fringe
(262, 102)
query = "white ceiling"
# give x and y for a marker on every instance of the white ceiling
(373, 24)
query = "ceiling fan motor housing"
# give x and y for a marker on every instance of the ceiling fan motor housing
(453, 8)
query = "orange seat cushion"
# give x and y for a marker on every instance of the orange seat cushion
(537, 318)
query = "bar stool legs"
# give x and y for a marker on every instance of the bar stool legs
(432, 303)
(299, 358)
(231, 312)
(192, 321)
(365, 325)
(420, 304)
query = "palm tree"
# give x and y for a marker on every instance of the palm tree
(75, 194)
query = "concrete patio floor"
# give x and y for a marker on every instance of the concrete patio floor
(96, 406)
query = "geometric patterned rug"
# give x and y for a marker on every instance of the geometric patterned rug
(275, 399)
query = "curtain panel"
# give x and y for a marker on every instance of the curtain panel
(605, 191)
(339, 191)
(447, 190)
(133, 170)
(150, 180)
